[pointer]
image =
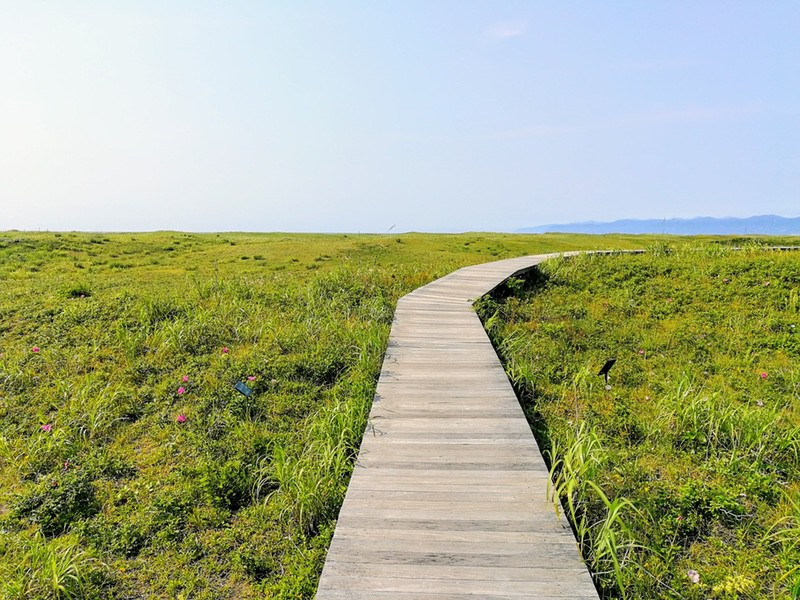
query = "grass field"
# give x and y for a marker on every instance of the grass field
(129, 465)
(681, 476)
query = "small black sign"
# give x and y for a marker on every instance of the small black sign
(607, 367)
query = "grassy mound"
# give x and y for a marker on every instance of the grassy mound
(682, 475)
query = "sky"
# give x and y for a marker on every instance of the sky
(364, 116)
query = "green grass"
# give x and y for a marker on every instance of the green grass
(104, 492)
(687, 466)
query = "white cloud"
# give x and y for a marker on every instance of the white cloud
(654, 117)
(675, 64)
(694, 113)
(508, 29)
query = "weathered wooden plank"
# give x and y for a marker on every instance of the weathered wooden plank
(477, 538)
(483, 511)
(455, 561)
(387, 426)
(493, 477)
(373, 429)
(415, 480)
(350, 594)
(424, 409)
(378, 548)
(449, 495)
(396, 454)
(556, 585)
(443, 527)
(464, 573)
(446, 495)
(420, 479)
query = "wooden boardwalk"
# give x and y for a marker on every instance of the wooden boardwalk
(448, 498)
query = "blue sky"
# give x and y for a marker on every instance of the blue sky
(422, 116)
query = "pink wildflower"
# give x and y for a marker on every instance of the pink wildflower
(693, 576)
(47, 427)
(764, 375)
(181, 419)
(641, 351)
(185, 379)
(181, 391)
(225, 350)
(35, 349)
(251, 378)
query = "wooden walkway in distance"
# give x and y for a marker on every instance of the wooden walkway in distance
(448, 498)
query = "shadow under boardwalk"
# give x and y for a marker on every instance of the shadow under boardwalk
(449, 495)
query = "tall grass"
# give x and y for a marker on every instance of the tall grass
(184, 487)
(56, 569)
(681, 476)
(605, 539)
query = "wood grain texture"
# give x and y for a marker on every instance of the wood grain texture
(448, 498)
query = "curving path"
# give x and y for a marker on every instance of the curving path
(448, 498)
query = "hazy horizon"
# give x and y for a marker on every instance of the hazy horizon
(525, 229)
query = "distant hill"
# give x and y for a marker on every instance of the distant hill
(759, 225)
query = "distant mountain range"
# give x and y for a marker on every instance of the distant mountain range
(759, 225)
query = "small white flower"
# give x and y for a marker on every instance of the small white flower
(693, 576)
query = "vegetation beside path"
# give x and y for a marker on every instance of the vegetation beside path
(129, 465)
(681, 475)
